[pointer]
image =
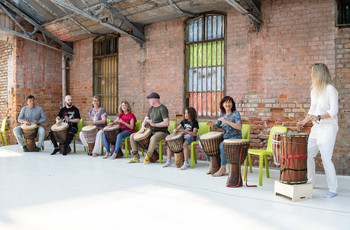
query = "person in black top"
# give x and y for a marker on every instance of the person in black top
(68, 114)
(189, 126)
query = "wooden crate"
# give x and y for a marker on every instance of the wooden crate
(295, 192)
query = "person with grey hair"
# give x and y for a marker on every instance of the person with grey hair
(158, 118)
(31, 113)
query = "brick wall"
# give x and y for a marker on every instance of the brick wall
(267, 71)
(36, 71)
(81, 76)
(5, 55)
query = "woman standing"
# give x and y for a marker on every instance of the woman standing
(126, 120)
(230, 122)
(98, 117)
(323, 113)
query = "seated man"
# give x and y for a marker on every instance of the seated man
(68, 114)
(30, 113)
(158, 118)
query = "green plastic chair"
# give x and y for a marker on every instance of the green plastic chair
(80, 126)
(171, 127)
(203, 128)
(263, 153)
(3, 132)
(126, 140)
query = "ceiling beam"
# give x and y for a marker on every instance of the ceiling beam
(94, 16)
(254, 19)
(30, 35)
(183, 12)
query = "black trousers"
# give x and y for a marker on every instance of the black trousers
(70, 134)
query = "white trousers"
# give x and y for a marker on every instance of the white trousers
(322, 139)
(98, 141)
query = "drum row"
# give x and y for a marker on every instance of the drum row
(289, 149)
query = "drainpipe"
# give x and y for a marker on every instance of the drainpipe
(64, 84)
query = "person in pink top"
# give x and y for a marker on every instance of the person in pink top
(127, 121)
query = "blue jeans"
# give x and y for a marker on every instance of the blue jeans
(222, 154)
(118, 141)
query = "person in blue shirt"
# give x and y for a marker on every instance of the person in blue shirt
(230, 123)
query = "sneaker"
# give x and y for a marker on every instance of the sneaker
(146, 161)
(37, 149)
(134, 160)
(25, 149)
(55, 151)
(330, 195)
(184, 166)
(167, 164)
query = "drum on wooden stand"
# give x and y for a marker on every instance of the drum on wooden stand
(236, 151)
(90, 132)
(211, 145)
(276, 148)
(29, 133)
(294, 158)
(60, 134)
(175, 144)
(143, 140)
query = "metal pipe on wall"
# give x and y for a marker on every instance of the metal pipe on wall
(64, 83)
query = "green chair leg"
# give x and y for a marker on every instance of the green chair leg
(160, 151)
(261, 165)
(127, 147)
(74, 150)
(267, 167)
(245, 170)
(250, 163)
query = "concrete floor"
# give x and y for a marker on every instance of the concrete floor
(43, 192)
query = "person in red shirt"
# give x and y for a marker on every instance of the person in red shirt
(126, 120)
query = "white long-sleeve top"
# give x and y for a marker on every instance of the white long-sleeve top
(327, 102)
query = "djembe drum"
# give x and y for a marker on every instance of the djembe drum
(276, 148)
(111, 132)
(60, 134)
(29, 133)
(211, 145)
(236, 151)
(143, 140)
(294, 158)
(89, 133)
(175, 144)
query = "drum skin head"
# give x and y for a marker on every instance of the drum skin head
(29, 127)
(211, 135)
(236, 141)
(140, 136)
(173, 136)
(59, 127)
(88, 128)
(111, 128)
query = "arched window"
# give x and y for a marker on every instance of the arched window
(205, 69)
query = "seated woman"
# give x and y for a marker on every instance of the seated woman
(98, 117)
(126, 121)
(189, 126)
(230, 122)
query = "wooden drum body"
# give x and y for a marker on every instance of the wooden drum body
(294, 158)
(175, 144)
(143, 140)
(90, 132)
(111, 133)
(236, 151)
(276, 148)
(60, 134)
(30, 132)
(211, 145)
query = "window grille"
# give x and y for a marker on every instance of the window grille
(205, 66)
(106, 72)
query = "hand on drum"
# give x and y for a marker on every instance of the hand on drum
(89, 122)
(211, 124)
(142, 130)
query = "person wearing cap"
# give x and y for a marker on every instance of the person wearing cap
(158, 118)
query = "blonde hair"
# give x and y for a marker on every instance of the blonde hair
(127, 105)
(320, 78)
